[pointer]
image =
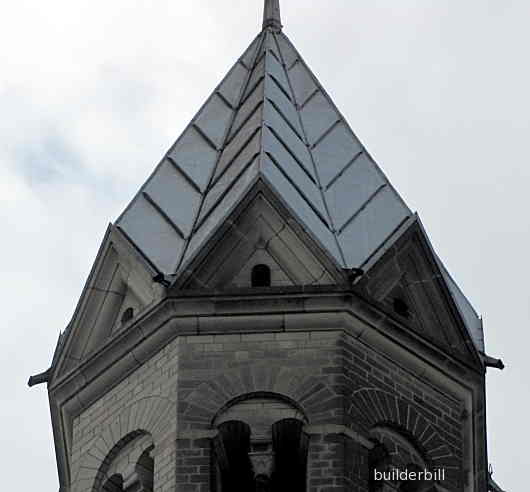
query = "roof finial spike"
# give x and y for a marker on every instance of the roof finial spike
(271, 15)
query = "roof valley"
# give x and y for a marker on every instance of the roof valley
(221, 149)
(317, 174)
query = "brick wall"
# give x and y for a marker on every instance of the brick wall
(332, 378)
(214, 370)
(378, 392)
(336, 381)
(143, 402)
(337, 463)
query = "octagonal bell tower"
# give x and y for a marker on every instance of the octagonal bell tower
(268, 314)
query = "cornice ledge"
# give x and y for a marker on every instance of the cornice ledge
(175, 317)
(399, 333)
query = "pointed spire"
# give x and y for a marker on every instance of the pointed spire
(271, 15)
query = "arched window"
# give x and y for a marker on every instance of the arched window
(396, 463)
(127, 315)
(261, 446)
(401, 308)
(290, 447)
(261, 276)
(232, 448)
(135, 449)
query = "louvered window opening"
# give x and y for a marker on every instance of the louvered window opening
(243, 465)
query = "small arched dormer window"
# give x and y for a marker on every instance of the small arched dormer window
(127, 315)
(401, 307)
(261, 276)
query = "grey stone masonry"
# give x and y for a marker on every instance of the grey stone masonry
(143, 403)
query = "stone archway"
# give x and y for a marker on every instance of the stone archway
(312, 394)
(150, 416)
(261, 445)
(371, 408)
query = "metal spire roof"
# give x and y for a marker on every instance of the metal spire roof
(269, 119)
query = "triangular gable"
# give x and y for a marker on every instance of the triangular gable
(266, 139)
(118, 289)
(261, 230)
(407, 279)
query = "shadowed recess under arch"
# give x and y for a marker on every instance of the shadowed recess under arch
(141, 457)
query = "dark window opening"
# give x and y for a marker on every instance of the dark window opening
(145, 469)
(113, 484)
(410, 486)
(290, 446)
(263, 483)
(415, 485)
(261, 276)
(378, 460)
(243, 465)
(401, 308)
(232, 447)
(127, 315)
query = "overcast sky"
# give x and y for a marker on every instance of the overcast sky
(92, 93)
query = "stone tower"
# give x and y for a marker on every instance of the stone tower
(268, 314)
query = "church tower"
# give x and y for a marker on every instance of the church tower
(268, 314)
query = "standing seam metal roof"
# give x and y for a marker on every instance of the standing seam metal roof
(270, 118)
